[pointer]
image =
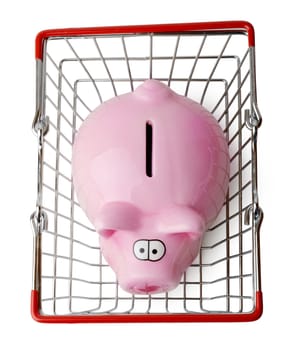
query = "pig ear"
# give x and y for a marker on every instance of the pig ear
(181, 221)
(106, 232)
(115, 216)
(194, 236)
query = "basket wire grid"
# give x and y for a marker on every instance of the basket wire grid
(75, 74)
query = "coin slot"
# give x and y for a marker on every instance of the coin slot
(149, 149)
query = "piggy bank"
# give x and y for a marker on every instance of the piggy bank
(151, 172)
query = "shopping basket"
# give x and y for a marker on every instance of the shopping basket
(78, 69)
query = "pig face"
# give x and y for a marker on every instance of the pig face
(151, 252)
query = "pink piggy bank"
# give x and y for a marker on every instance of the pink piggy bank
(151, 171)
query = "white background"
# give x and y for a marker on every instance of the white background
(278, 49)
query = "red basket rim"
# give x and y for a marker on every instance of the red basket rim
(120, 318)
(239, 26)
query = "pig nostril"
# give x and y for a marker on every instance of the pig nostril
(146, 289)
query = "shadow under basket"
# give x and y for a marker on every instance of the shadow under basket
(78, 69)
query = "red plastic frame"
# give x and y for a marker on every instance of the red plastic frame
(253, 316)
(154, 28)
(239, 26)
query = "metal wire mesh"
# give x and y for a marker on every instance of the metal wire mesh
(82, 72)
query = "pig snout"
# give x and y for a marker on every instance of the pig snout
(148, 250)
(149, 265)
(156, 265)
